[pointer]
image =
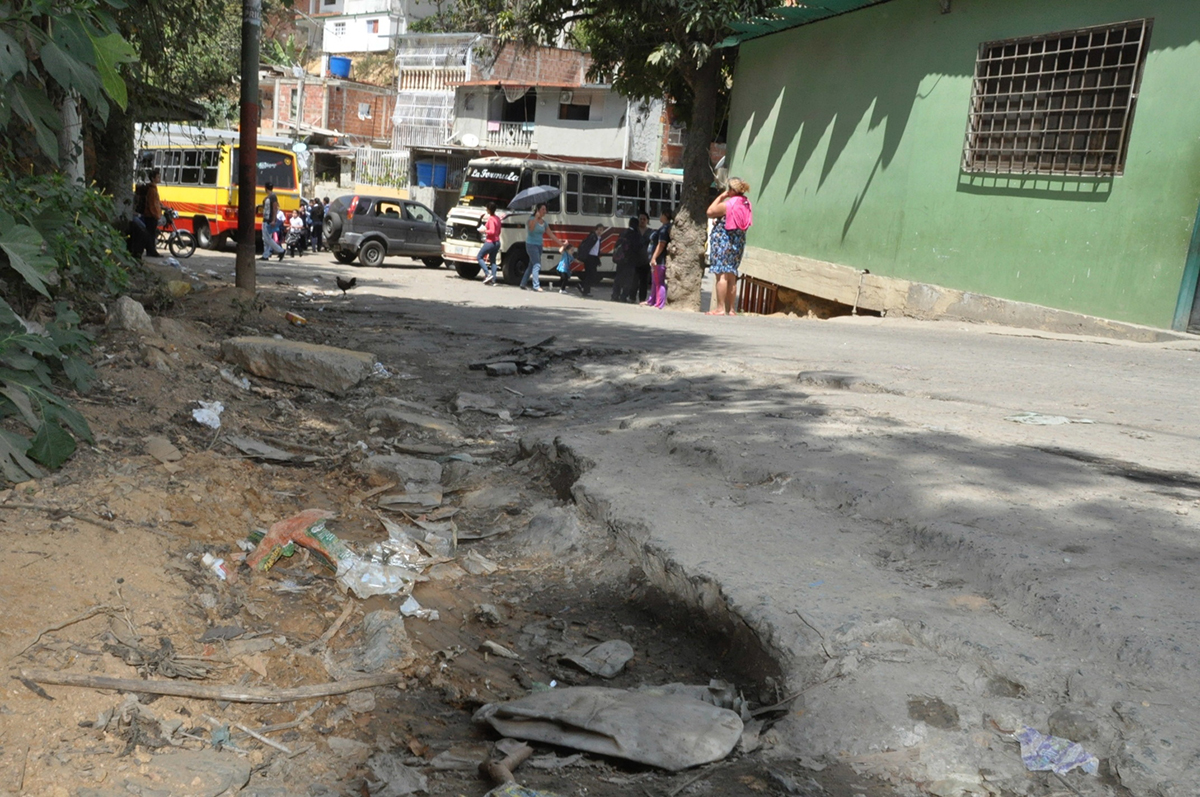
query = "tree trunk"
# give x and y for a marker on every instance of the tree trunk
(70, 139)
(113, 169)
(685, 264)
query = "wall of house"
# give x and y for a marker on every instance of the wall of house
(354, 34)
(851, 132)
(335, 104)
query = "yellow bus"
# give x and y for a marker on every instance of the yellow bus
(198, 178)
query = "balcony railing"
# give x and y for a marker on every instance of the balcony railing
(432, 78)
(510, 135)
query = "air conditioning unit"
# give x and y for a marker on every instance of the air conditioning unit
(565, 98)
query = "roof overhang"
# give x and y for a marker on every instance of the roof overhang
(792, 15)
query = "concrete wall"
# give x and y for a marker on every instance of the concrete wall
(354, 34)
(851, 133)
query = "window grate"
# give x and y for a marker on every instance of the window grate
(1061, 103)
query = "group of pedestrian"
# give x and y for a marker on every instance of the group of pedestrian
(291, 234)
(640, 254)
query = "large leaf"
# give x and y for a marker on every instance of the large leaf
(112, 51)
(23, 246)
(12, 57)
(57, 410)
(15, 466)
(32, 105)
(71, 73)
(20, 400)
(51, 446)
(79, 372)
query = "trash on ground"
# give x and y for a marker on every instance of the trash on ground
(394, 779)
(295, 318)
(306, 529)
(460, 758)
(488, 614)
(240, 382)
(217, 566)
(256, 449)
(477, 564)
(411, 608)
(163, 450)
(1040, 753)
(517, 790)
(606, 659)
(209, 414)
(380, 371)
(497, 649)
(668, 731)
(1037, 419)
(387, 642)
(427, 499)
(165, 661)
(717, 693)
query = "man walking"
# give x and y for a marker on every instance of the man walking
(270, 225)
(152, 215)
(316, 217)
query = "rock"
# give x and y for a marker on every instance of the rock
(403, 468)
(398, 780)
(606, 659)
(933, 711)
(387, 642)
(488, 614)
(473, 401)
(203, 773)
(1078, 726)
(129, 314)
(396, 413)
(306, 364)
(361, 702)
(501, 369)
(163, 449)
(348, 748)
(157, 359)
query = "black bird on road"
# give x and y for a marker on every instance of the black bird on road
(346, 284)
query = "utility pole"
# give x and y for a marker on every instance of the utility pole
(248, 145)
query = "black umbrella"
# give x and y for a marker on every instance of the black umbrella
(530, 198)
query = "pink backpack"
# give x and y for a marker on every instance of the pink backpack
(737, 213)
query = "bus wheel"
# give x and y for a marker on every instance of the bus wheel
(371, 254)
(514, 267)
(467, 271)
(220, 242)
(204, 238)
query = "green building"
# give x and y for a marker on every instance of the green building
(1002, 159)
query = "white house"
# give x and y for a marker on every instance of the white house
(357, 26)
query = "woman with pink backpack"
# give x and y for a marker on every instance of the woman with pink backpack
(732, 214)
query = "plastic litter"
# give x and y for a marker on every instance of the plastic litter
(667, 731)
(411, 608)
(216, 565)
(306, 529)
(209, 414)
(296, 319)
(242, 383)
(1040, 753)
(380, 371)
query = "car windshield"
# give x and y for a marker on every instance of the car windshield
(499, 184)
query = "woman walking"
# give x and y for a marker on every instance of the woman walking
(491, 245)
(732, 215)
(535, 230)
(658, 261)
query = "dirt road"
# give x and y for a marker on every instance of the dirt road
(935, 534)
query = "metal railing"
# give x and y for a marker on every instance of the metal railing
(382, 167)
(510, 135)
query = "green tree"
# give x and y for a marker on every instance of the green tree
(658, 48)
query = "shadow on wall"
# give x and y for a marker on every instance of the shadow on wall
(820, 82)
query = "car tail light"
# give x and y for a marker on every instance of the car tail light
(350, 210)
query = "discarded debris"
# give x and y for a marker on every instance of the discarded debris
(163, 450)
(217, 566)
(499, 650)
(394, 779)
(411, 608)
(165, 661)
(240, 382)
(477, 564)
(501, 369)
(209, 414)
(1037, 419)
(606, 659)
(256, 449)
(306, 529)
(668, 731)
(387, 642)
(1053, 753)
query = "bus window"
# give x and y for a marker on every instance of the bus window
(631, 196)
(573, 192)
(660, 198)
(191, 167)
(483, 184)
(277, 168)
(169, 162)
(549, 178)
(209, 161)
(597, 195)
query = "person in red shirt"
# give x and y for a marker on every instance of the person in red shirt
(491, 245)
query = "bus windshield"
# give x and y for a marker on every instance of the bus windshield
(499, 184)
(276, 168)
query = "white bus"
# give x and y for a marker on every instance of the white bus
(591, 195)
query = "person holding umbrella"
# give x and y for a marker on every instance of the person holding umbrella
(535, 231)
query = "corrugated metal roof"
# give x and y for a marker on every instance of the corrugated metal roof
(792, 16)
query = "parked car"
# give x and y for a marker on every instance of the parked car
(372, 227)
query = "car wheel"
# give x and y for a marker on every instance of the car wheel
(513, 267)
(467, 271)
(432, 262)
(204, 238)
(371, 254)
(343, 257)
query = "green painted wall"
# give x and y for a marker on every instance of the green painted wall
(851, 133)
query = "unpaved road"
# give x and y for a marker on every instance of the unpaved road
(847, 497)
(856, 493)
